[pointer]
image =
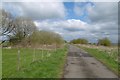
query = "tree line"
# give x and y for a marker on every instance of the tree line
(103, 41)
(22, 30)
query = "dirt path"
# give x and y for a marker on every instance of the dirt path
(82, 65)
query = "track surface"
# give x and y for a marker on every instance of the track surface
(81, 65)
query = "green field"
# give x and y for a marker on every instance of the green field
(105, 58)
(47, 64)
(0, 62)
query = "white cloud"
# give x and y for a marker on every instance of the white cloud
(68, 29)
(71, 25)
(103, 17)
(72, 28)
(37, 10)
(103, 12)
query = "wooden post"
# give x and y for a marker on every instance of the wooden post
(55, 47)
(42, 51)
(42, 54)
(34, 55)
(49, 55)
(18, 61)
(47, 50)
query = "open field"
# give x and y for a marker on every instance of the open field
(47, 64)
(106, 55)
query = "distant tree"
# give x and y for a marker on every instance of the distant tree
(104, 42)
(65, 41)
(94, 43)
(79, 41)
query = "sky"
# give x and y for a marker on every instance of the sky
(72, 20)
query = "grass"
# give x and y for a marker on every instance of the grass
(0, 62)
(104, 57)
(48, 66)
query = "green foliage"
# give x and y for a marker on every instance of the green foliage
(79, 41)
(14, 40)
(65, 41)
(104, 42)
(45, 38)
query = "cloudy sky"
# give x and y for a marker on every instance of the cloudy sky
(89, 20)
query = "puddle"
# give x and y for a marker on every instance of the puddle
(93, 63)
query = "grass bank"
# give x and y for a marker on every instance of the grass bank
(104, 57)
(47, 64)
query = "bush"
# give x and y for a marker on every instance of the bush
(44, 38)
(79, 41)
(104, 42)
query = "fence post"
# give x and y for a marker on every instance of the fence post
(18, 61)
(34, 55)
(42, 54)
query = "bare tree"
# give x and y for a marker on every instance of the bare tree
(23, 28)
(6, 23)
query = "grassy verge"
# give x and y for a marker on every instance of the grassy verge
(104, 58)
(0, 62)
(47, 64)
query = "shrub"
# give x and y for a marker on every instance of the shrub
(79, 41)
(104, 42)
(44, 38)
